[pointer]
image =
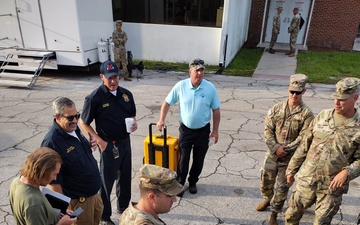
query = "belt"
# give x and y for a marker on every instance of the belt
(196, 129)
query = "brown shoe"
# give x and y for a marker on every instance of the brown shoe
(273, 219)
(271, 51)
(288, 53)
(292, 55)
(127, 78)
(263, 205)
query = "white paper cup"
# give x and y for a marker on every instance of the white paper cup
(129, 122)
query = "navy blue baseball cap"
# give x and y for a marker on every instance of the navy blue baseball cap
(109, 68)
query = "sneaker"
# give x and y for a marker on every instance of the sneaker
(192, 188)
(105, 222)
(263, 205)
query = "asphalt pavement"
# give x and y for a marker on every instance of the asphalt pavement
(228, 189)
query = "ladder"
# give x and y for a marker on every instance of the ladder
(23, 68)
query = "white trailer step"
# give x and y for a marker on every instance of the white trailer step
(33, 53)
(19, 68)
(17, 76)
(14, 83)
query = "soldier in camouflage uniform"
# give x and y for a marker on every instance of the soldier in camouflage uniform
(285, 123)
(294, 30)
(158, 190)
(275, 29)
(327, 159)
(119, 38)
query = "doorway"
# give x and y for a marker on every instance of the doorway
(286, 17)
(30, 23)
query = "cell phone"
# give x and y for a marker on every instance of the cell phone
(76, 213)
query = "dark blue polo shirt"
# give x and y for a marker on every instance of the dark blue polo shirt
(79, 174)
(109, 112)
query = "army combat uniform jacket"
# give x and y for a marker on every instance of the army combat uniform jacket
(119, 39)
(285, 128)
(134, 216)
(327, 149)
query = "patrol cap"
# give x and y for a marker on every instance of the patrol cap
(159, 178)
(297, 82)
(118, 22)
(196, 64)
(345, 88)
(280, 7)
(109, 68)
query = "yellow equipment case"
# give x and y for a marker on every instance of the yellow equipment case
(161, 151)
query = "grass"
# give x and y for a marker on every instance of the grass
(243, 64)
(328, 67)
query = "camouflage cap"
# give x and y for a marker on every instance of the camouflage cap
(345, 88)
(196, 64)
(159, 178)
(297, 82)
(118, 22)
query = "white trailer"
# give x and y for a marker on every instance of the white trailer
(66, 31)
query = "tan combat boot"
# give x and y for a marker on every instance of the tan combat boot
(292, 54)
(271, 51)
(288, 53)
(273, 219)
(263, 205)
(127, 78)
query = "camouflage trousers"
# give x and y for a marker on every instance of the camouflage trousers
(304, 196)
(120, 58)
(273, 172)
(274, 37)
(293, 38)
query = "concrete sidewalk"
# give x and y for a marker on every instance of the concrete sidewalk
(228, 189)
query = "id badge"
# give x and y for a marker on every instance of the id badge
(115, 151)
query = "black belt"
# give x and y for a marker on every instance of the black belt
(196, 129)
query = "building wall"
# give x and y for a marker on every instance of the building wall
(255, 24)
(333, 26)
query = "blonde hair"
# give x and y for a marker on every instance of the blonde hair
(39, 164)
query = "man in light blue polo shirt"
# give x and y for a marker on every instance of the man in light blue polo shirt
(197, 98)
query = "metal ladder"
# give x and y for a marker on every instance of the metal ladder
(16, 72)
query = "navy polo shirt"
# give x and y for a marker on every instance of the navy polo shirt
(109, 112)
(79, 174)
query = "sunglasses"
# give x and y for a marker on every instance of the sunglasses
(296, 92)
(71, 118)
(198, 62)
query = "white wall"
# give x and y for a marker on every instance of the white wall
(235, 24)
(171, 43)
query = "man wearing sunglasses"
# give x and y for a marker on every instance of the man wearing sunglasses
(285, 124)
(197, 98)
(79, 177)
(328, 157)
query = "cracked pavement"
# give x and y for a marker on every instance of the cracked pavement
(228, 189)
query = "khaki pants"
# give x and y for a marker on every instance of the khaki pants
(93, 208)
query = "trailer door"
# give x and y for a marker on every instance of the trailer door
(30, 22)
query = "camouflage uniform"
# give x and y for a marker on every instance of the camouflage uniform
(135, 216)
(275, 29)
(282, 128)
(294, 30)
(152, 177)
(119, 39)
(326, 149)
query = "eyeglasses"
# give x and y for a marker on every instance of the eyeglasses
(71, 118)
(198, 62)
(296, 92)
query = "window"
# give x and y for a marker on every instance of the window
(179, 12)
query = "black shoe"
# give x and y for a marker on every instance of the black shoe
(181, 194)
(192, 188)
(120, 211)
(105, 222)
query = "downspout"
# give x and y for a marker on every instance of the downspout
(308, 25)
(263, 22)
